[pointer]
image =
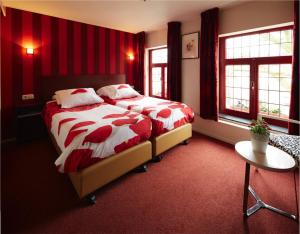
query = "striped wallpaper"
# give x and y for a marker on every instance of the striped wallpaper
(62, 47)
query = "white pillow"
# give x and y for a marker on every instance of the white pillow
(117, 91)
(56, 98)
(77, 97)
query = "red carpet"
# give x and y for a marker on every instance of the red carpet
(195, 189)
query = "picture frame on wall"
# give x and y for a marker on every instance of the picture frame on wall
(190, 46)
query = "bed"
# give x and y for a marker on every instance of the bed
(171, 121)
(130, 152)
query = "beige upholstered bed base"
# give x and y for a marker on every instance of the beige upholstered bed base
(90, 179)
(169, 139)
(101, 173)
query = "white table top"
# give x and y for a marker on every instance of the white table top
(274, 159)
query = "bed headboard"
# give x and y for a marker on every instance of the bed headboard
(48, 85)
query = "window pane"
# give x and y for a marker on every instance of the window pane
(274, 70)
(254, 39)
(229, 81)
(245, 52)
(285, 98)
(237, 90)
(274, 49)
(284, 111)
(263, 108)
(274, 89)
(229, 53)
(285, 49)
(263, 83)
(263, 96)
(274, 97)
(237, 104)
(237, 42)
(264, 38)
(237, 53)
(254, 52)
(229, 92)
(160, 56)
(156, 81)
(275, 43)
(286, 36)
(285, 84)
(274, 110)
(229, 103)
(229, 70)
(237, 81)
(275, 37)
(285, 70)
(264, 71)
(245, 73)
(245, 82)
(237, 70)
(264, 51)
(273, 84)
(229, 43)
(245, 106)
(245, 41)
(245, 94)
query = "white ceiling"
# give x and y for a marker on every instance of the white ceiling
(131, 16)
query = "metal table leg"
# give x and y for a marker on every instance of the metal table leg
(246, 185)
(259, 203)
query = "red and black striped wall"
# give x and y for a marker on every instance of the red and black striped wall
(61, 47)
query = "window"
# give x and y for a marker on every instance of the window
(158, 72)
(255, 74)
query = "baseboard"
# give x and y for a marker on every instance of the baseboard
(220, 138)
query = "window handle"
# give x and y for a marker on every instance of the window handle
(252, 85)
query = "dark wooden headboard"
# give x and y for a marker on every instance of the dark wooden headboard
(48, 85)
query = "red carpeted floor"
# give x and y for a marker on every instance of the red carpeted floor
(195, 189)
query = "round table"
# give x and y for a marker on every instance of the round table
(274, 160)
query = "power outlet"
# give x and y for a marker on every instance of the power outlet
(29, 96)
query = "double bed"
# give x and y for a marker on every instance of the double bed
(109, 139)
(118, 156)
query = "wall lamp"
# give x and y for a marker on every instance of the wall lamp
(130, 56)
(30, 51)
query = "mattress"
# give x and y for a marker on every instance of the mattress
(88, 134)
(165, 115)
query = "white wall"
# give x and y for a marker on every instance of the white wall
(251, 15)
(191, 95)
(244, 16)
(156, 38)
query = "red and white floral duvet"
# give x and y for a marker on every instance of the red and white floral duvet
(90, 133)
(165, 115)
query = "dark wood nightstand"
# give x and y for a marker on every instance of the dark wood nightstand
(30, 124)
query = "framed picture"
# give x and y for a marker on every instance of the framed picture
(190, 46)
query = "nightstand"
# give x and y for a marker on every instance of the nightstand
(30, 124)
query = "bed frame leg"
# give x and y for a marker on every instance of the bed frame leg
(142, 168)
(157, 159)
(91, 199)
(185, 142)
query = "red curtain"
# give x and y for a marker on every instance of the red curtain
(294, 105)
(140, 52)
(208, 63)
(174, 61)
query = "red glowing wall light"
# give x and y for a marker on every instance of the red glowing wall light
(30, 51)
(130, 56)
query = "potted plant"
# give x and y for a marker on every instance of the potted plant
(260, 132)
